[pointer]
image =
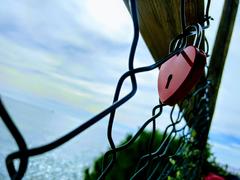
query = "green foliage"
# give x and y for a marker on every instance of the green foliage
(177, 163)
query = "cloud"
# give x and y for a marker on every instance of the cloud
(74, 46)
(109, 18)
(226, 154)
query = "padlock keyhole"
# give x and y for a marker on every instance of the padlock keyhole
(168, 81)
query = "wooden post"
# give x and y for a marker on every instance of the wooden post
(219, 54)
(160, 22)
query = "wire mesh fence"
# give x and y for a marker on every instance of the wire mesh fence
(183, 140)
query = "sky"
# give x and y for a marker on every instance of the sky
(68, 56)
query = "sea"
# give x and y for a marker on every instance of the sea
(40, 125)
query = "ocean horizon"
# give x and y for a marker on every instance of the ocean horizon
(40, 125)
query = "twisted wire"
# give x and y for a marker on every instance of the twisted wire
(24, 153)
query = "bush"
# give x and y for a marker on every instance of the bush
(181, 165)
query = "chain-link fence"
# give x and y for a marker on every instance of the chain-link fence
(183, 140)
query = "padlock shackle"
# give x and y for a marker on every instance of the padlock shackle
(198, 40)
(190, 30)
(197, 30)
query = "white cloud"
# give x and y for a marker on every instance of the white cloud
(226, 155)
(109, 18)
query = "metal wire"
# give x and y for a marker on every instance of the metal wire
(19, 140)
(147, 161)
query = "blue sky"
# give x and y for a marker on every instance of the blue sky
(68, 55)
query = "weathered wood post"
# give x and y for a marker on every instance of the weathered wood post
(219, 54)
(160, 21)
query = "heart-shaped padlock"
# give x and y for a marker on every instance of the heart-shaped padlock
(179, 74)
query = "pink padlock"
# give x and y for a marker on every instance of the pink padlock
(179, 74)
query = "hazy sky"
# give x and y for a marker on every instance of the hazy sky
(68, 55)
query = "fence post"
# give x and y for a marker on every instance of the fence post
(160, 22)
(219, 55)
